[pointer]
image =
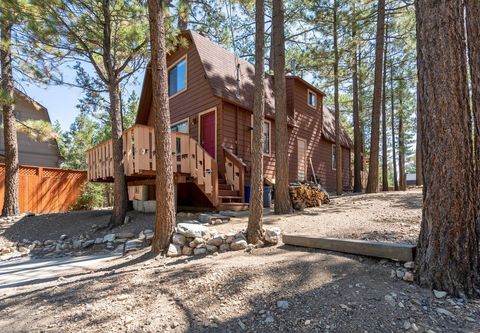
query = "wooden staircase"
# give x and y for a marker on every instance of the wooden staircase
(191, 163)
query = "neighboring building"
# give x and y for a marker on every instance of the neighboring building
(211, 99)
(31, 152)
(411, 179)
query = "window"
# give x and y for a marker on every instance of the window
(266, 137)
(334, 158)
(312, 99)
(177, 77)
(181, 127)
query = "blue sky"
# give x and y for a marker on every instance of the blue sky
(61, 100)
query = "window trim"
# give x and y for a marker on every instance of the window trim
(309, 91)
(184, 57)
(187, 120)
(334, 151)
(270, 136)
(305, 170)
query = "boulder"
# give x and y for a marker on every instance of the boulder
(109, 238)
(133, 245)
(174, 250)
(124, 234)
(199, 251)
(212, 248)
(178, 239)
(77, 244)
(439, 293)
(409, 265)
(62, 237)
(196, 242)
(192, 230)
(187, 250)
(408, 277)
(273, 235)
(88, 243)
(224, 247)
(99, 240)
(216, 241)
(238, 244)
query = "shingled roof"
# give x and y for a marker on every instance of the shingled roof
(328, 129)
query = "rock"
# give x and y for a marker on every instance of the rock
(98, 240)
(224, 247)
(273, 235)
(192, 230)
(146, 234)
(186, 250)
(242, 325)
(414, 327)
(216, 241)
(238, 244)
(445, 312)
(133, 245)
(307, 322)
(88, 243)
(77, 243)
(198, 251)
(196, 242)
(212, 248)
(269, 320)
(439, 293)
(174, 250)
(229, 239)
(409, 265)
(178, 239)
(400, 274)
(407, 325)
(124, 234)
(63, 237)
(109, 238)
(127, 220)
(282, 304)
(110, 246)
(240, 235)
(390, 300)
(213, 218)
(408, 277)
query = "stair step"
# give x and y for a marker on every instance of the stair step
(230, 198)
(226, 193)
(225, 187)
(234, 206)
(221, 181)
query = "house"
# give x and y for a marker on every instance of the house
(31, 152)
(211, 100)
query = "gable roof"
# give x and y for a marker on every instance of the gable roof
(222, 68)
(328, 129)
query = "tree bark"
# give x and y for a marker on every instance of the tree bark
(338, 144)
(10, 203)
(165, 201)
(120, 185)
(394, 149)
(401, 146)
(282, 196)
(255, 225)
(357, 134)
(448, 250)
(384, 117)
(418, 150)
(372, 185)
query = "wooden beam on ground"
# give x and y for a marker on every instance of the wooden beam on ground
(394, 251)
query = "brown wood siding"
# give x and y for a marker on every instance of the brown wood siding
(196, 98)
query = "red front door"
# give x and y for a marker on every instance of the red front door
(207, 132)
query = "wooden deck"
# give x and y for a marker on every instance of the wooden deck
(191, 164)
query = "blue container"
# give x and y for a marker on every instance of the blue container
(267, 196)
(247, 193)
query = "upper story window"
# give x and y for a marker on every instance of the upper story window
(177, 77)
(312, 98)
(267, 127)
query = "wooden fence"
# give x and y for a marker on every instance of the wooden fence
(46, 190)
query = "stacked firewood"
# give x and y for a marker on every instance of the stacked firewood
(307, 194)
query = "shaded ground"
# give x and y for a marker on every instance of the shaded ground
(319, 291)
(235, 292)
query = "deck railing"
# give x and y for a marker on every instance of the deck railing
(234, 171)
(189, 158)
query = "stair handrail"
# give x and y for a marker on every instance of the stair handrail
(236, 161)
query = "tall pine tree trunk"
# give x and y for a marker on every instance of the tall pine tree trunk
(165, 201)
(384, 117)
(448, 249)
(338, 144)
(120, 185)
(255, 225)
(282, 196)
(473, 33)
(401, 146)
(418, 150)
(372, 185)
(357, 133)
(392, 115)
(10, 203)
